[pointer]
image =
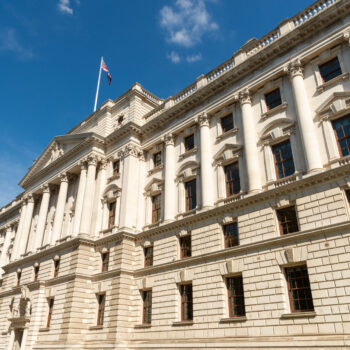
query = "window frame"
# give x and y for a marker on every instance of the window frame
(282, 161)
(275, 102)
(236, 297)
(105, 261)
(19, 276)
(190, 199)
(157, 159)
(148, 256)
(231, 183)
(116, 166)
(339, 68)
(112, 206)
(50, 302)
(226, 236)
(346, 138)
(290, 223)
(185, 249)
(191, 146)
(101, 303)
(156, 201)
(185, 317)
(36, 272)
(230, 124)
(56, 267)
(146, 306)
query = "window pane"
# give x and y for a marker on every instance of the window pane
(287, 219)
(227, 123)
(185, 245)
(236, 296)
(330, 69)
(342, 132)
(189, 142)
(283, 159)
(273, 99)
(233, 184)
(231, 235)
(191, 198)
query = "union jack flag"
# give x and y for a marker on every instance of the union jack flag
(104, 67)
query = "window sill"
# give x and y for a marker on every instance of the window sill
(44, 329)
(156, 169)
(186, 213)
(188, 153)
(227, 133)
(145, 325)
(233, 319)
(282, 107)
(324, 86)
(283, 181)
(182, 323)
(235, 197)
(114, 177)
(96, 327)
(155, 224)
(299, 314)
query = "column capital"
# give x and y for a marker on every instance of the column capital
(45, 188)
(203, 119)
(169, 139)
(103, 163)
(82, 164)
(91, 159)
(8, 227)
(244, 97)
(295, 68)
(64, 177)
(30, 198)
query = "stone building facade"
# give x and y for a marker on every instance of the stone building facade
(218, 218)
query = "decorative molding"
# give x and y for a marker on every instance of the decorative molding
(203, 119)
(295, 68)
(169, 139)
(244, 97)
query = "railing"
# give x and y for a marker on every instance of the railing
(151, 96)
(266, 40)
(218, 71)
(185, 93)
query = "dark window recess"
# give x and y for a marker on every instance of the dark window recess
(148, 251)
(186, 302)
(120, 119)
(147, 307)
(49, 315)
(273, 99)
(189, 142)
(299, 289)
(231, 235)
(56, 268)
(330, 69)
(287, 219)
(156, 208)
(101, 309)
(233, 184)
(235, 296)
(185, 247)
(227, 123)
(342, 133)
(105, 261)
(111, 214)
(283, 159)
(36, 272)
(116, 167)
(347, 193)
(19, 275)
(157, 159)
(191, 196)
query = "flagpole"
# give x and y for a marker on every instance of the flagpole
(98, 85)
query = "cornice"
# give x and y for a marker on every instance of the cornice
(130, 128)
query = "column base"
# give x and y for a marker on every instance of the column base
(313, 172)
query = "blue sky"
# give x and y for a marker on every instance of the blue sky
(50, 52)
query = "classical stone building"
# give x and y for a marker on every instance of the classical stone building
(217, 218)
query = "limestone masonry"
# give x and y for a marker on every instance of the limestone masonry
(218, 218)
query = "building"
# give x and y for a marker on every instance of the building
(217, 218)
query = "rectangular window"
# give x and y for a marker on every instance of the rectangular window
(227, 123)
(101, 298)
(191, 196)
(36, 272)
(50, 302)
(273, 99)
(283, 159)
(157, 159)
(148, 251)
(287, 219)
(189, 142)
(111, 214)
(233, 184)
(235, 296)
(156, 208)
(342, 133)
(105, 261)
(231, 235)
(347, 193)
(56, 267)
(186, 302)
(147, 307)
(330, 69)
(116, 167)
(299, 289)
(185, 247)
(19, 275)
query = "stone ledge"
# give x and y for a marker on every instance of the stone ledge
(188, 153)
(96, 327)
(44, 329)
(282, 107)
(231, 132)
(182, 323)
(300, 314)
(321, 88)
(145, 325)
(155, 169)
(233, 319)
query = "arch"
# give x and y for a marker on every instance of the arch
(280, 122)
(111, 192)
(190, 164)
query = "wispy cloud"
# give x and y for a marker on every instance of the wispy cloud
(186, 22)
(174, 57)
(65, 7)
(9, 42)
(194, 58)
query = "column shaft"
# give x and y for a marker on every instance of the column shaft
(26, 226)
(169, 183)
(101, 188)
(5, 247)
(15, 249)
(80, 200)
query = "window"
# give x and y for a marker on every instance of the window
(342, 133)
(185, 247)
(186, 302)
(273, 99)
(347, 193)
(105, 261)
(233, 184)
(156, 204)
(56, 267)
(36, 272)
(50, 302)
(227, 123)
(283, 159)
(287, 220)
(19, 275)
(235, 296)
(191, 198)
(330, 69)
(231, 235)
(148, 256)
(299, 290)
(101, 308)
(189, 142)
(120, 120)
(116, 167)
(157, 159)
(111, 214)
(147, 306)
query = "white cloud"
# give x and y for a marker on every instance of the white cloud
(194, 58)
(186, 22)
(174, 57)
(65, 7)
(9, 42)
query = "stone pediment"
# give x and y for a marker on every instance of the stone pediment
(337, 102)
(227, 152)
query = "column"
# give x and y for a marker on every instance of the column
(304, 116)
(44, 207)
(80, 199)
(17, 241)
(102, 185)
(207, 176)
(331, 143)
(60, 206)
(250, 144)
(5, 247)
(11, 340)
(169, 179)
(105, 213)
(88, 195)
(269, 165)
(24, 339)
(26, 225)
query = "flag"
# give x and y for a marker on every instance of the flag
(104, 67)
